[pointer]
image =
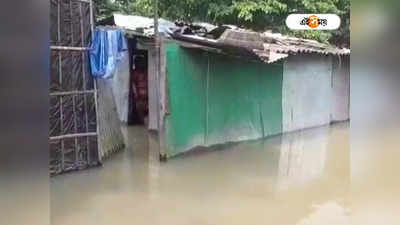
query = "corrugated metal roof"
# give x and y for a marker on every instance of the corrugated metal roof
(268, 47)
(291, 45)
(277, 46)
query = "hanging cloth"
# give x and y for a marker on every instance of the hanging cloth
(105, 52)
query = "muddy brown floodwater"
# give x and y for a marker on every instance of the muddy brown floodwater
(301, 178)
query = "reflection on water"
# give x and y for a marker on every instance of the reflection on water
(303, 156)
(298, 178)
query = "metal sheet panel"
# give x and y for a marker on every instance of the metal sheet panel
(244, 100)
(185, 125)
(341, 89)
(216, 99)
(306, 92)
(110, 134)
(120, 87)
(152, 85)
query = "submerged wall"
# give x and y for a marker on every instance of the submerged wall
(306, 91)
(215, 99)
(341, 89)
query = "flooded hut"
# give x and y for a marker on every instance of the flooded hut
(227, 84)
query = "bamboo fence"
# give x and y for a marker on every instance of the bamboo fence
(73, 133)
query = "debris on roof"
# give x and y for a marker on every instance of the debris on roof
(143, 25)
(208, 26)
(191, 28)
(241, 38)
(268, 47)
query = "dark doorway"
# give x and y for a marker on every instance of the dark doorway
(138, 107)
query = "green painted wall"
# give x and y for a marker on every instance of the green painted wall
(216, 99)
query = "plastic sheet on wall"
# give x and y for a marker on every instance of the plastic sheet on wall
(72, 115)
(78, 138)
(72, 20)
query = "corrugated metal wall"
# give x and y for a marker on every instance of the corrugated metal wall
(187, 74)
(110, 134)
(120, 87)
(215, 99)
(152, 85)
(306, 92)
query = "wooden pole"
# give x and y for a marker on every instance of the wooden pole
(157, 60)
(158, 81)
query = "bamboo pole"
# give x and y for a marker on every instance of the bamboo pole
(73, 96)
(207, 97)
(60, 81)
(69, 48)
(61, 137)
(72, 93)
(84, 85)
(95, 87)
(91, 17)
(77, 148)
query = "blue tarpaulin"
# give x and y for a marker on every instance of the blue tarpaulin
(105, 51)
